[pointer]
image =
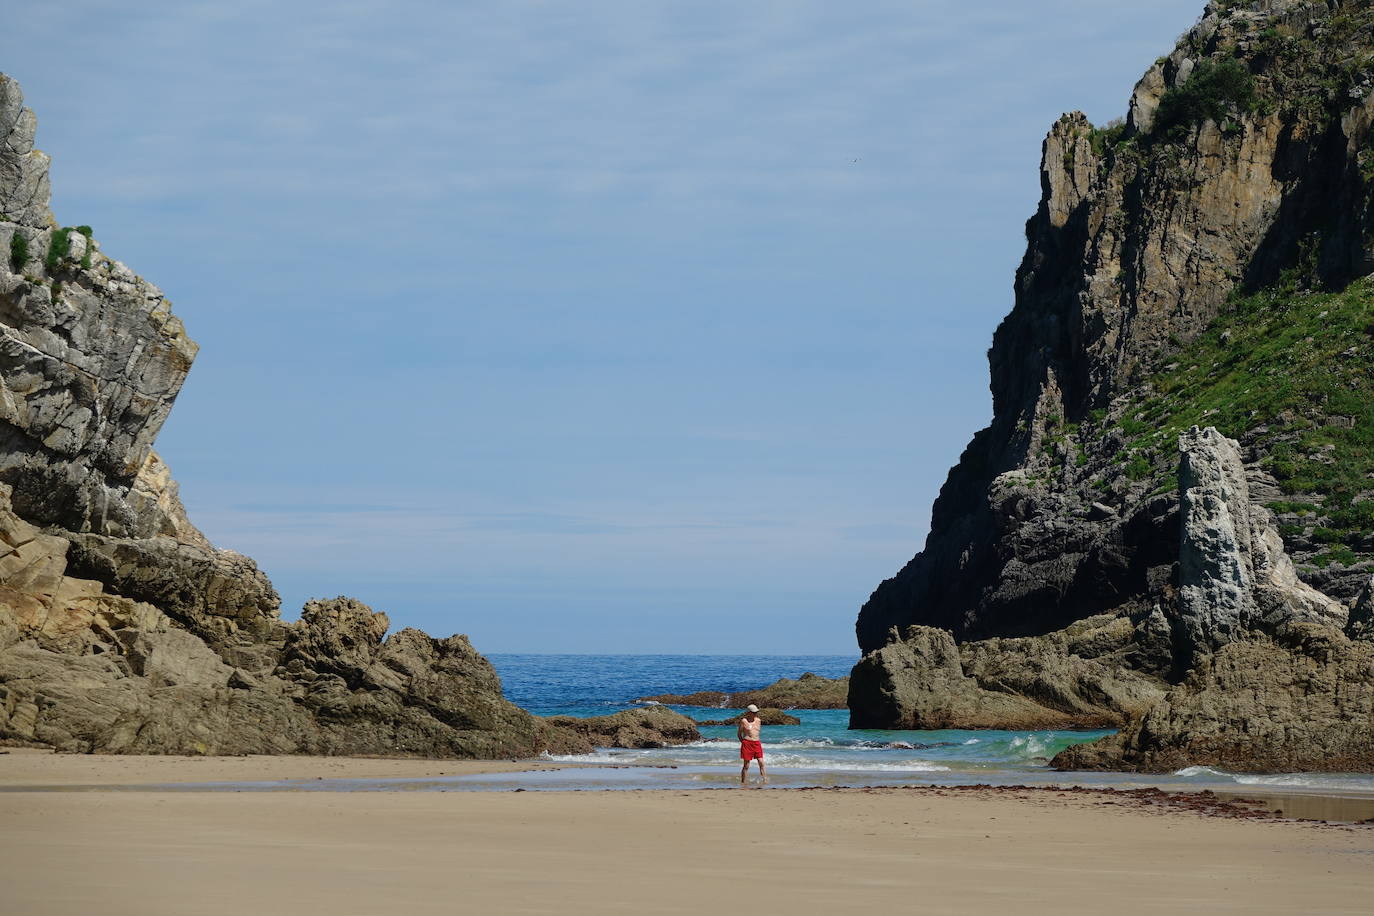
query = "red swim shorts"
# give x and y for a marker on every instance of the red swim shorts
(750, 750)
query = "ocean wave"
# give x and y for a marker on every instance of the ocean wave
(803, 742)
(1359, 782)
(1202, 772)
(1307, 781)
(802, 762)
(1028, 747)
(774, 758)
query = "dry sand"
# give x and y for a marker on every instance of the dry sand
(926, 851)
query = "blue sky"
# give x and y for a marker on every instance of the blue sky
(576, 327)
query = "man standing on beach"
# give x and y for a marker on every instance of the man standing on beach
(750, 747)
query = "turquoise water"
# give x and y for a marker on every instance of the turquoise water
(821, 751)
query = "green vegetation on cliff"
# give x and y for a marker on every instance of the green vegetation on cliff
(1285, 371)
(1215, 91)
(58, 248)
(19, 252)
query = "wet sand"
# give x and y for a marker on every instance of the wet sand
(927, 850)
(33, 767)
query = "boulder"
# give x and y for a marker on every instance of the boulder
(1233, 572)
(922, 680)
(1300, 699)
(649, 727)
(810, 691)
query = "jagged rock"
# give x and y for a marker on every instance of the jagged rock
(1216, 569)
(24, 190)
(155, 495)
(766, 715)
(651, 726)
(170, 658)
(135, 682)
(1138, 241)
(342, 637)
(923, 680)
(1361, 622)
(1061, 508)
(219, 595)
(1302, 699)
(1233, 572)
(810, 691)
(1273, 679)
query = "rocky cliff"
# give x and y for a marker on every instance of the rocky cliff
(1183, 423)
(1165, 284)
(122, 628)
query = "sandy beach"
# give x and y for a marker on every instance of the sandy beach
(962, 851)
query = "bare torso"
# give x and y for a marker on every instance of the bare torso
(749, 728)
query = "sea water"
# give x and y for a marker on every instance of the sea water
(821, 751)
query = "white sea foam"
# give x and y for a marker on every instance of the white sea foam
(1307, 781)
(971, 741)
(600, 756)
(1208, 772)
(781, 759)
(1361, 783)
(1030, 746)
(804, 762)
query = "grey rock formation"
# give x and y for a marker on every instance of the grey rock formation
(652, 726)
(810, 691)
(1216, 560)
(24, 189)
(1236, 588)
(1075, 678)
(1139, 239)
(1301, 699)
(84, 669)
(1273, 682)
(1360, 625)
(1233, 573)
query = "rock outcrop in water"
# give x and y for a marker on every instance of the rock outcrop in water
(653, 726)
(766, 715)
(810, 691)
(122, 628)
(1182, 417)
(1080, 677)
(1299, 700)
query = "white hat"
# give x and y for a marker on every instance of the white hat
(752, 708)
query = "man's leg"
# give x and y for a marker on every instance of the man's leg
(763, 774)
(743, 772)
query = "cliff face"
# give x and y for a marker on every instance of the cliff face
(1245, 167)
(122, 628)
